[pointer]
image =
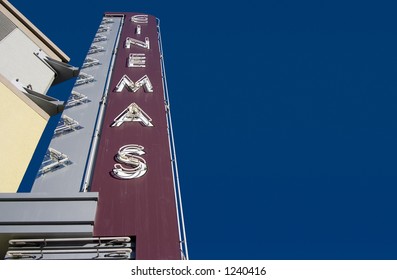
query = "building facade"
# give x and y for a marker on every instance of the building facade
(29, 64)
(108, 186)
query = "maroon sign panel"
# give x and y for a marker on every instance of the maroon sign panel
(133, 172)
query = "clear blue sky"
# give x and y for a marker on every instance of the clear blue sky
(284, 116)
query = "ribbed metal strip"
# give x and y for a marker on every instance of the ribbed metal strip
(75, 248)
(6, 26)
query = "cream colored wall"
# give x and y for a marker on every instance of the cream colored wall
(21, 128)
(17, 60)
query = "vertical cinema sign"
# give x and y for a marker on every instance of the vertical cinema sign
(133, 169)
(130, 161)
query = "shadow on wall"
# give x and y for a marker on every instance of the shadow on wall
(3, 245)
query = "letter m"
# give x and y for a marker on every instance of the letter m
(134, 87)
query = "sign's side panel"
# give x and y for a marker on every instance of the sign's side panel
(75, 132)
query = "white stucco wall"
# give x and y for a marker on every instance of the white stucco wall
(18, 61)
